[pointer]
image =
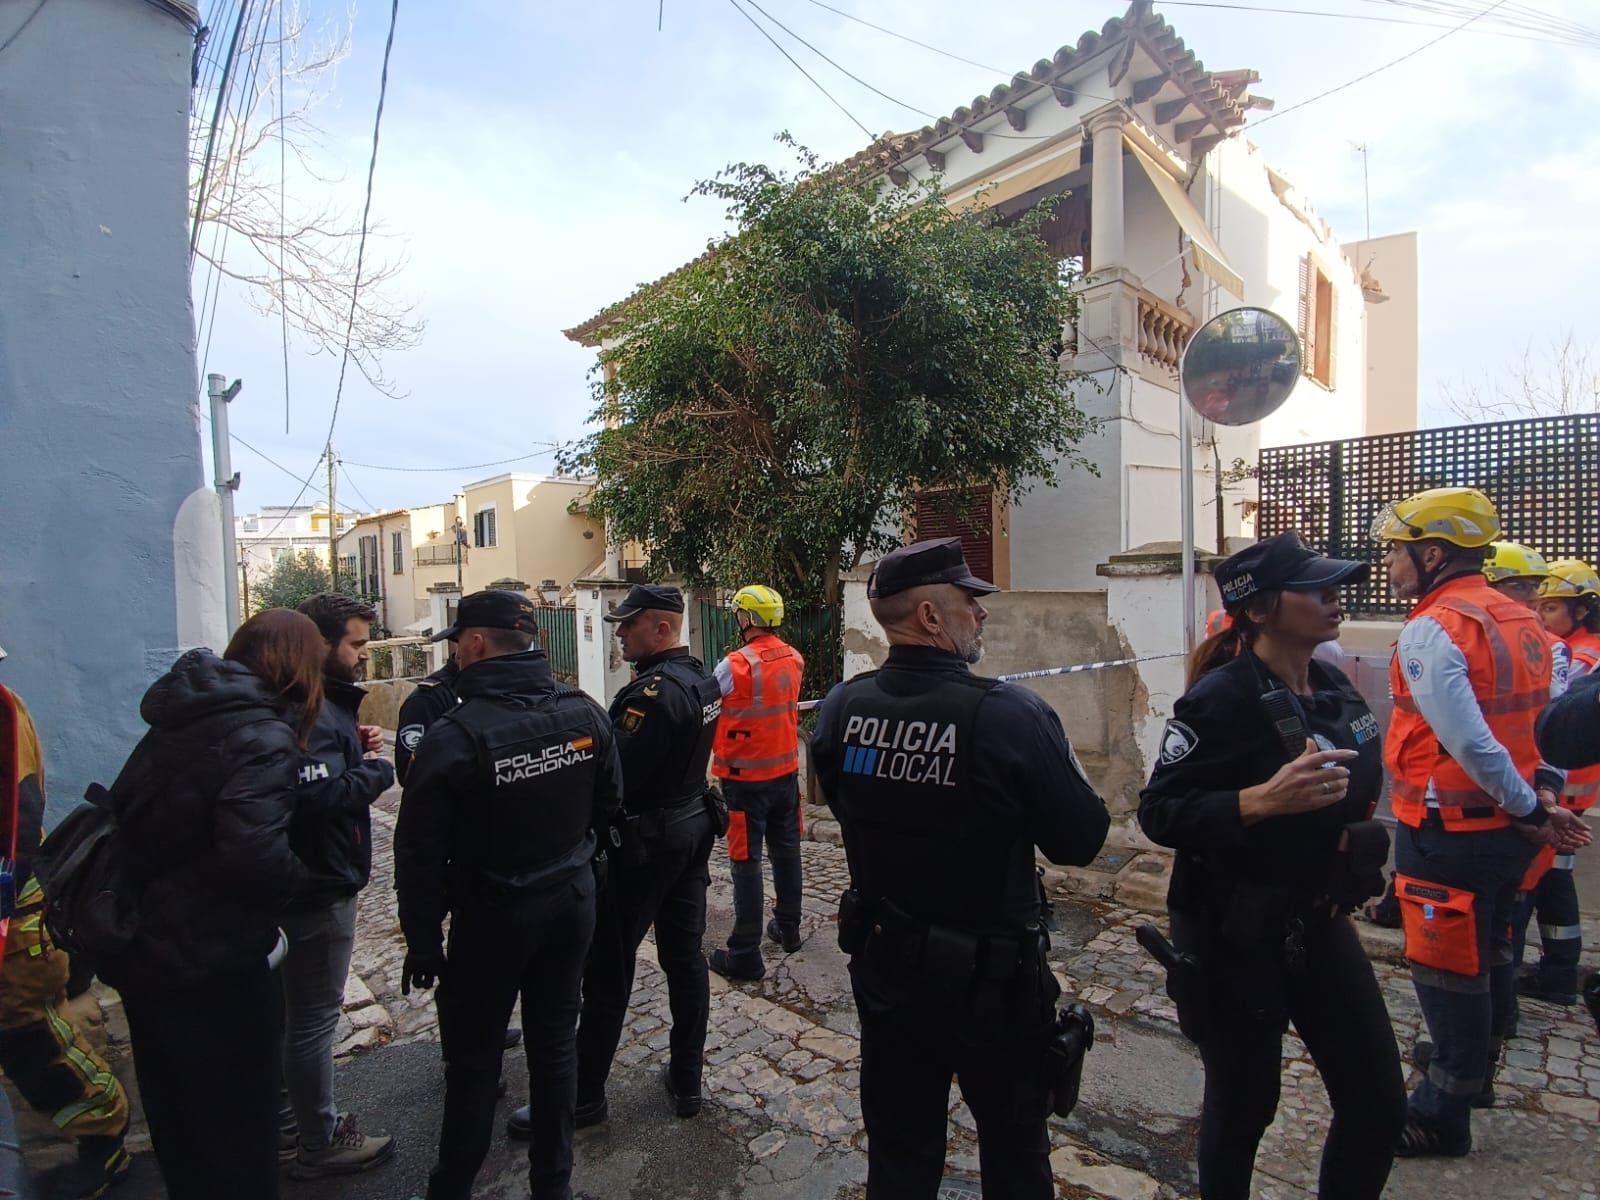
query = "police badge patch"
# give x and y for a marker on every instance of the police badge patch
(1178, 741)
(410, 737)
(632, 718)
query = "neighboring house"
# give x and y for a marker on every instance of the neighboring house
(113, 536)
(1171, 216)
(276, 532)
(530, 528)
(380, 553)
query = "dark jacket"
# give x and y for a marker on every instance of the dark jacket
(505, 796)
(1569, 729)
(212, 788)
(1221, 741)
(332, 829)
(433, 697)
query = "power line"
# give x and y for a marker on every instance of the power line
(1369, 17)
(20, 29)
(360, 495)
(552, 448)
(904, 38)
(211, 137)
(1378, 70)
(283, 204)
(834, 99)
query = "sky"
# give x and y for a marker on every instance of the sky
(535, 158)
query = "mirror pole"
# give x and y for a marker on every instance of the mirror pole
(1186, 507)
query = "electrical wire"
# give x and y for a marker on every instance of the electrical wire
(20, 29)
(837, 103)
(904, 38)
(211, 138)
(551, 448)
(283, 203)
(360, 495)
(1369, 17)
(1283, 112)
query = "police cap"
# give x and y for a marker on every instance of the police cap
(662, 597)
(491, 610)
(939, 560)
(1283, 563)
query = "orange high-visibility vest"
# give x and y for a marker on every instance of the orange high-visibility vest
(1216, 622)
(1508, 665)
(1583, 784)
(758, 732)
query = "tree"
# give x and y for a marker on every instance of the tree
(258, 205)
(1564, 379)
(293, 578)
(770, 411)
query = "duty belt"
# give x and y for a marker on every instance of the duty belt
(895, 939)
(653, 822)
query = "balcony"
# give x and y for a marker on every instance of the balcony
(442, 554)
(1163, 330)
(1121, 322)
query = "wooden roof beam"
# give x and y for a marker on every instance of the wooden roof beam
(1017, 118)
(1066, 94)
(900, 177)
(1147, 89)
(935, 159)
(973, 140)
(1171, 110)
(1201, 146)
(1187, 130)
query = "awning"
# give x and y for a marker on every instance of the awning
(1208, 256)
(1038, 169)
(419, 627)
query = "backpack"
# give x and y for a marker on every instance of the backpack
(90, 899)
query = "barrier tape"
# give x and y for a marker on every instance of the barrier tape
(1077, 668)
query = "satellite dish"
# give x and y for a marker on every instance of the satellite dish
(1240, 366)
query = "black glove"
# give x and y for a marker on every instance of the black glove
(422, 969)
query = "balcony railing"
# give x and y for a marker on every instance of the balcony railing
(441, 555)
(1163, 330)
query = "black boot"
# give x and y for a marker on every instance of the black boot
(1591, 996)
(102, 1164)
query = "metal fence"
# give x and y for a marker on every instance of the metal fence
(1543, 474)
(397, 658)
(558, 634)
(814, 632)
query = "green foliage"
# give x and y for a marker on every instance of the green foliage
(294, 578)
(773, 408)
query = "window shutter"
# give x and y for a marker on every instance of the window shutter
(1333, 338)
(966, 514)
(1308, 316)
(489, 529)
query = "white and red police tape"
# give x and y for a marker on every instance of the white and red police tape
(1075, 669)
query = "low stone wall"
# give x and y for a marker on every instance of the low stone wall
(384, 698)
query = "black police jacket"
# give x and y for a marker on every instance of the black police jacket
(1221, 741)
(430, 700)
(211, 788)
(943, 784)
(332, 828)
(666, 720)
(1569, 728)
(505, 794)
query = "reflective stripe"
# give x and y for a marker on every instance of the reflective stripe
(1564, 862)
(1494, 706)
(1449, 981)
(1560, 933)
(759, 764)
(763, 710)
(1450, 1085)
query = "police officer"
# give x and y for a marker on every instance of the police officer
(430, 700)
(664, 721)
(1470, 673)
(943, 783)
(497, 828)
(1265, 785)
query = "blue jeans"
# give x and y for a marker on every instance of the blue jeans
(768, 811)
(1466, 1014)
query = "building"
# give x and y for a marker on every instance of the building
(377, 553)
(114, 539)
(276, 532)
(1169, 216)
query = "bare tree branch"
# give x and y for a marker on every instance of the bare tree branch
(1558, 381)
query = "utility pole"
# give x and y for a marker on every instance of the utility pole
(1366, 186)
(227, 482)
(333, 521)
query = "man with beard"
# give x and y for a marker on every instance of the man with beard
(331, 833)
(943, 783)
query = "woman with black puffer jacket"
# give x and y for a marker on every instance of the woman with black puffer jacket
(204, 806)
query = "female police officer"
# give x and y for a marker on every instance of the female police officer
(1267, 778)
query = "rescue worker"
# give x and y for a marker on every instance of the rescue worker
(497, 829)
(42, 1050)
(1268, 775)
(943, 783)
(432, 698)
(1470, 673)
(1569, 605)
(664, 721)
(1517, 571)
(756, 757)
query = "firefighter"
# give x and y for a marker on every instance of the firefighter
(1470, 673)
(756, 757)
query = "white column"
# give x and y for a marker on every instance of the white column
(601, 670)
(1104, 128)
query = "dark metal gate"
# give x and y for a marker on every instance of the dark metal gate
(1543, 474)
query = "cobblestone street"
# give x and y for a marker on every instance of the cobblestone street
(783, 1117)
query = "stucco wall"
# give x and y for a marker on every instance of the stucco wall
(98, 389)
(550, 541)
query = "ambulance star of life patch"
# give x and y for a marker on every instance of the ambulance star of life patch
(1178, 741)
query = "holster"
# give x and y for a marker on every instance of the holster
(855, 921)
(1359, 875)
(717, 806)
(1185, 985)
(1070, 1041)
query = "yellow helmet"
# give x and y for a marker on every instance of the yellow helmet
(1463, 517)
(763, 604)
(1512, 560)
(1570, 578)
